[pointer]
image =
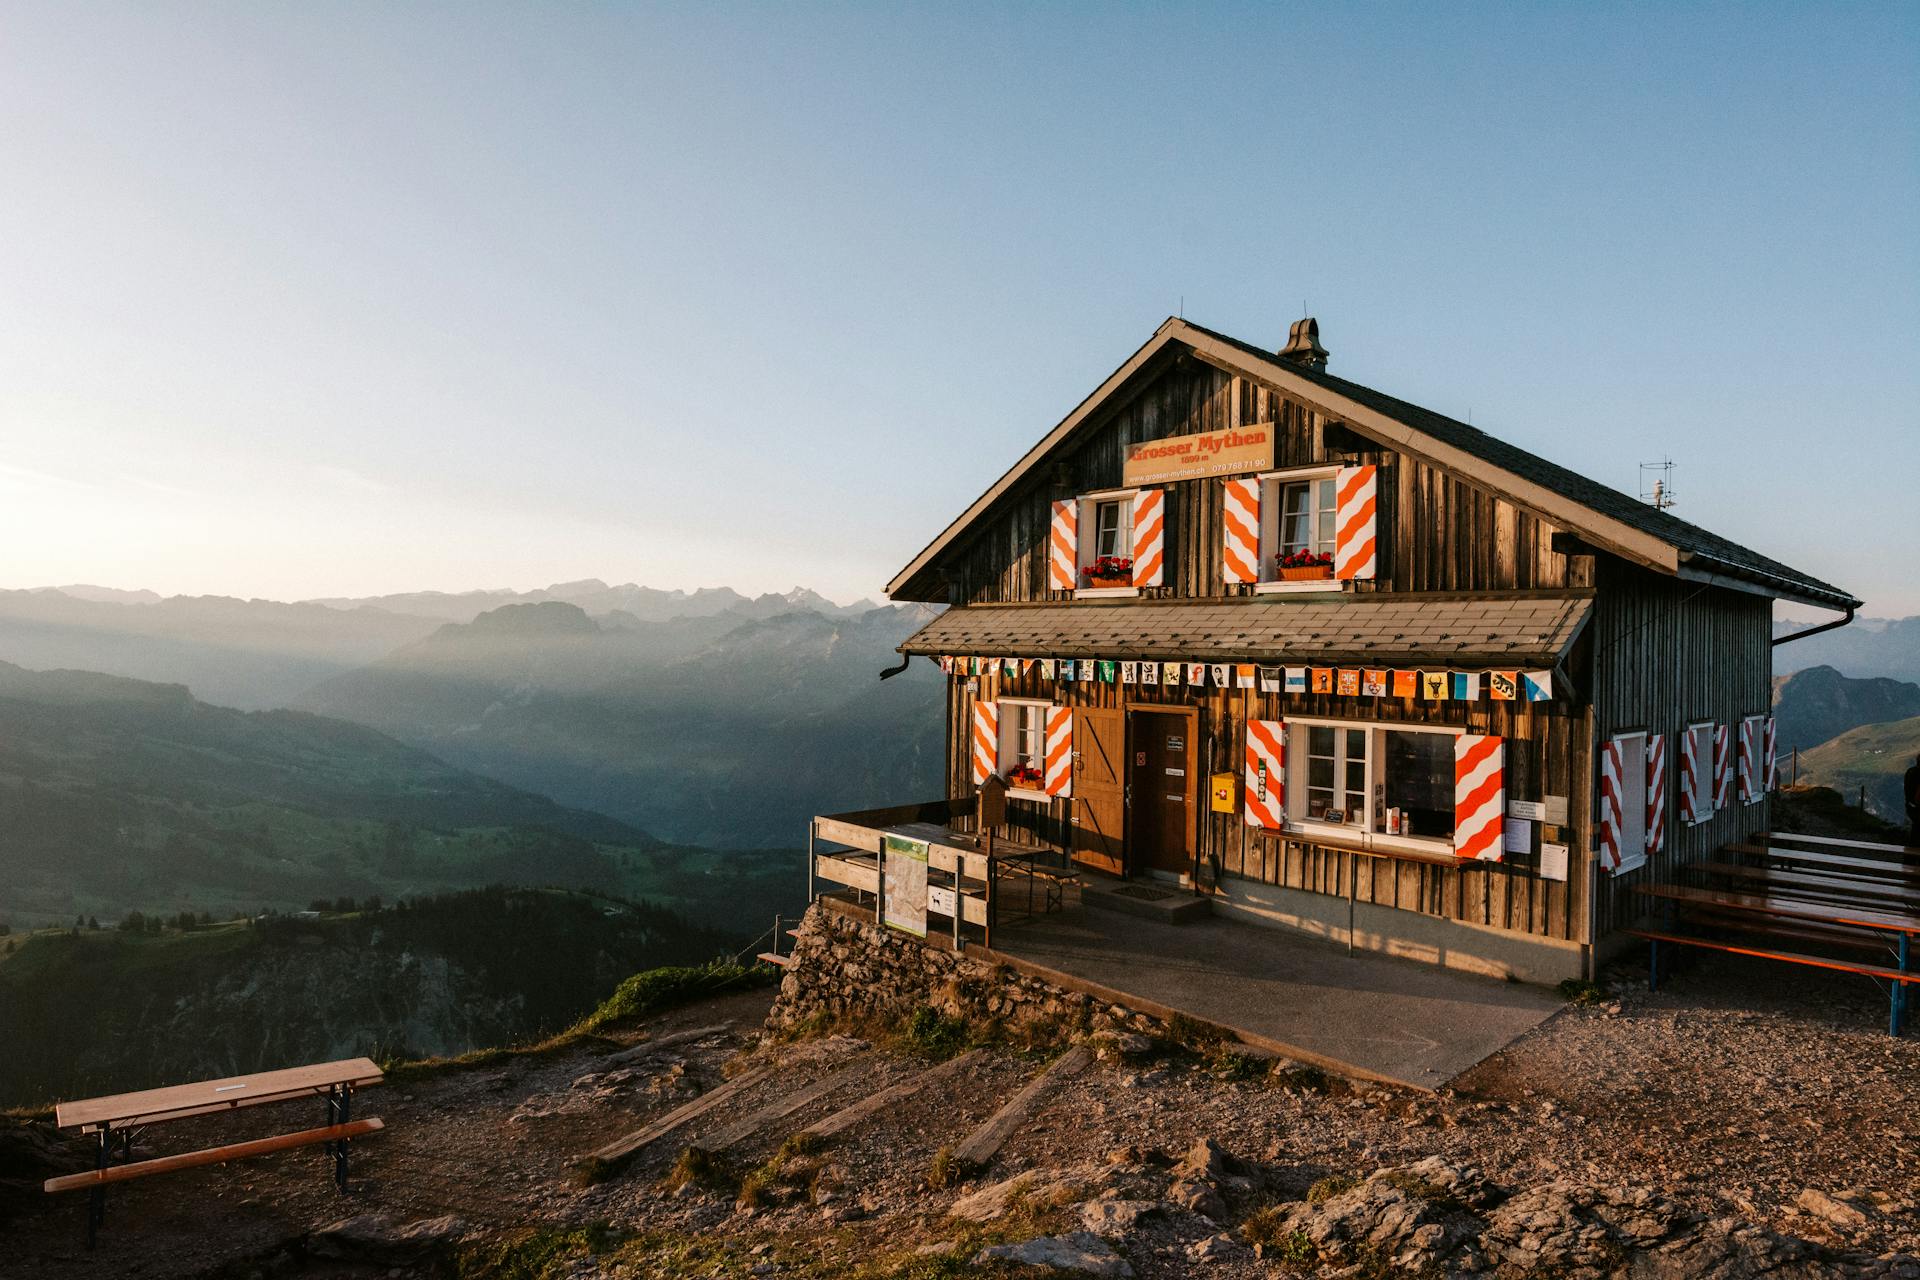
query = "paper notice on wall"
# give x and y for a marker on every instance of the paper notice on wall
(1518, 836)
(1553, 862)
(904, 882)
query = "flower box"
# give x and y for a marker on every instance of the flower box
(1121, 580)
(1306, 573)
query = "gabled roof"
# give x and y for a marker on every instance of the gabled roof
(1600, 515)
(1507, 630)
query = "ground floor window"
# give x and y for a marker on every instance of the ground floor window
(1023, 744)
(1387, 780)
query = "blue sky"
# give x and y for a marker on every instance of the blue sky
(327, 299)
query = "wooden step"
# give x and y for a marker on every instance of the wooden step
(639, 1139)
(215, 1155)
(981, 1145)
(774, 958)
(743, 1129)
(840, 1121)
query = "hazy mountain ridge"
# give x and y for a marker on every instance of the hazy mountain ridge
(735, 737)
(1873, 758)
(257, 654)
(1864, 648)
(117, 794)
(1816, 704)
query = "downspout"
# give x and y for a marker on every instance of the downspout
(891, 672)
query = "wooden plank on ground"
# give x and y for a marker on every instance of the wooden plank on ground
(215, 1155)
(639, 1139)
(981, 1145)
(842, 1120)
(647, 1048)
(784, 1107)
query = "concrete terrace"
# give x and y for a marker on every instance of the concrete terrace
(1364, 1014)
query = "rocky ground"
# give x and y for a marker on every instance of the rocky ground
(1744, 1121)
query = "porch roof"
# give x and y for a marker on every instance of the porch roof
(1462, 630)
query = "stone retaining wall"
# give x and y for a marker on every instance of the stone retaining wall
(845, 968)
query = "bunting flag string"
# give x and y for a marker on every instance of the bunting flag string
(1345, 682)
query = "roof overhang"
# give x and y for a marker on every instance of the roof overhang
(1481, 630)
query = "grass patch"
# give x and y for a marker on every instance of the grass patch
(664, 988)
(1420, 1189)
(790, 1166)
(700, 1167)
(932, 1034)
(948, 1170)
(1329, 1187)
(1229, 1062)
(1578, 991)
(1191, 1033)
(538, 1255)
(1265, 1232)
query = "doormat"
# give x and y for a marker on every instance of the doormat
(1143, 892)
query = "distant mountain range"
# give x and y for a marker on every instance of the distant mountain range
(1873, 760)
(119, 795)
(704, 730)
(257, 654)
(1818, 703)
(1864, 648)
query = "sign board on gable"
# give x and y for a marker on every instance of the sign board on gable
(903, 870)
(1210, 453)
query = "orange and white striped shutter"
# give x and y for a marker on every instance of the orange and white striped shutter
(1063, 547)
(1656, 792)
(1266, 782)
(1749, 761)
(986, 741)
(1059, 771)
(1479, 796)
(1770, 773)
(1149, 536)
(1240, 541)
(1355, 499)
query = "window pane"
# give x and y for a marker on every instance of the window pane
(1417, 773)
(1323, 531)
(1296, 518)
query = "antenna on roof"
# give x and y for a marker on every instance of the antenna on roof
(1656, 483)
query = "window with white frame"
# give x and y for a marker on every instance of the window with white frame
(1297, 518)
(1023, 744)
(1111, 527)
(1387, 780)
(1700, 740)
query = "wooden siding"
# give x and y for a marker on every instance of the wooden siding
(1666, 654)
(1489, 543)
(1547, 753)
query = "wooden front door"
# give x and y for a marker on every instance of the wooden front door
(1160, 816)
(1099, 789)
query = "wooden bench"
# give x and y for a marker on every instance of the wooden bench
(1816, 884)
(121, 1115)
(1776, 916)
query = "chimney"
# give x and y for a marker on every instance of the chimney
(1303, 345)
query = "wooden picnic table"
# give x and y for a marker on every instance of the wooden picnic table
(1813, 883)
(1838, 864)
(1809, 914)
(119, 1115)
(1838, 842)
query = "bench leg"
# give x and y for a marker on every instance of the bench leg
(97, 1198)
(339, 1111)
(1897, 1002)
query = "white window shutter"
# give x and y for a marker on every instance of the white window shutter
(1063, 547)
(1149, 537)
(1240, 533)
(1690, 807)
(986, 741)
(1479, 796)
(1355, 553)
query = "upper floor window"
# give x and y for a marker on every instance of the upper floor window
(1113, 527)
(1306, 509)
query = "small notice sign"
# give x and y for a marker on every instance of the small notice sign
(1518, 836)
(904, 882)
(1556, 807)
(1531, 810)
(1210, 453)
(1553, 862)
(940, 901)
